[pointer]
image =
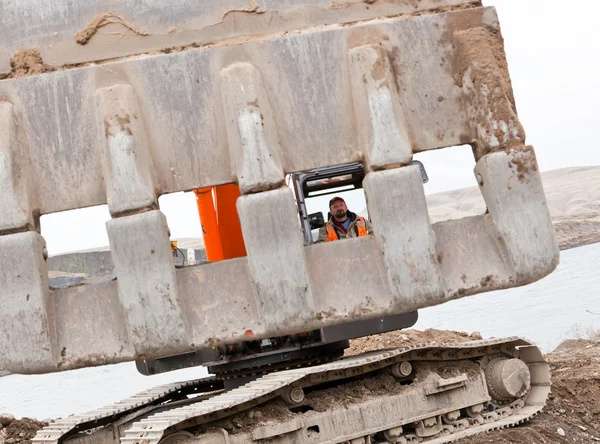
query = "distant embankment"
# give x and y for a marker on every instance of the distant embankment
(573, 196)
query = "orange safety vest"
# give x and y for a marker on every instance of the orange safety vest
(360, 226)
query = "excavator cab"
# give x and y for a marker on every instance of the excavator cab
(338, 179)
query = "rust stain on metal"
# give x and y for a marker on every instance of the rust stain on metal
(361, 311)
(326, 314)
(414, 270)
(101, 20)
(524, 161)
(91, 360)
(117, 124)
(378, 69)
(486, 281)
(460, 292)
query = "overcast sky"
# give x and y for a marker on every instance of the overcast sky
(553, 51)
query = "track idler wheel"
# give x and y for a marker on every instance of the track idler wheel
(176, 437)
(293, 396)
(508, 378)
(402, 369)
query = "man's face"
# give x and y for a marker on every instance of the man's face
(338, 209)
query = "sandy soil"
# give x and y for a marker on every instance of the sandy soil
(18, 430)
(403, 338)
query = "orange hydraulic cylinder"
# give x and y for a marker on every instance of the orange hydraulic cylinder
(221, 227)
(208, 220)
(230, 229)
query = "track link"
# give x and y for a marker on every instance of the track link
(63, 428)
(156, 427)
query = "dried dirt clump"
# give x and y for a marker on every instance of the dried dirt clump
(407, 338)
(274, 411)
(480, 56)
(18, 431)
(104, 19)
(451, 8)
(26, 62)
(352, 392)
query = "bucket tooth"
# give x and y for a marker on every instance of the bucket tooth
(276, 257)
(15, 175)
(147, 282)
(398, 209)
(383, 133)
(28, 336)
(514, 196)
(518, 209)
(127, 163)
(253, 143)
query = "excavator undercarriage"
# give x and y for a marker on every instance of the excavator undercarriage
(433, 393)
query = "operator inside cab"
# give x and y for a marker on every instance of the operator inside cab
(342, 223)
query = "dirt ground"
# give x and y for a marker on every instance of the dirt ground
(403, 338)
(572, 414)
(18, 430)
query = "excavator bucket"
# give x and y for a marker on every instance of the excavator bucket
(118, 107)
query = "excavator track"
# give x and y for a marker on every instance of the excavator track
(438, 406)
(63, 428)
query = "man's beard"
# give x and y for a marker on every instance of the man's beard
(340, 214)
